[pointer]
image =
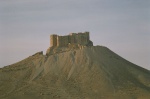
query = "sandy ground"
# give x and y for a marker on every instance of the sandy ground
(88, 73)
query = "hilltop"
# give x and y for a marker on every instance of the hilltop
(79, 72)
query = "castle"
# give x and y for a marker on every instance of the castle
(59, 44)
(81, 39)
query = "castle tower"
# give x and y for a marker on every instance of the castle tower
(53, 40)
(88, 35)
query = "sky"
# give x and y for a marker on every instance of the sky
(121, 25)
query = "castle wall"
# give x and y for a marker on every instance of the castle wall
(78, 39)
(65, 41)
(72, 38)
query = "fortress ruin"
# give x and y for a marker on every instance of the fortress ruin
(59, 44)
(81, 39)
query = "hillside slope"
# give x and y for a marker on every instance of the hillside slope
(88, 73)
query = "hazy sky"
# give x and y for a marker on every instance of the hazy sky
(121, 25)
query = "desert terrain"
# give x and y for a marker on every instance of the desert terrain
(93, 72)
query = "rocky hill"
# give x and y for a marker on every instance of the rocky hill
(92, 72)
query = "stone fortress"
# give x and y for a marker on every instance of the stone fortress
(72, 38)
(68, 42)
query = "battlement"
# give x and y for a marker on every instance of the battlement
(72, 38)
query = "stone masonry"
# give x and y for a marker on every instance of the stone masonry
(82, 39)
